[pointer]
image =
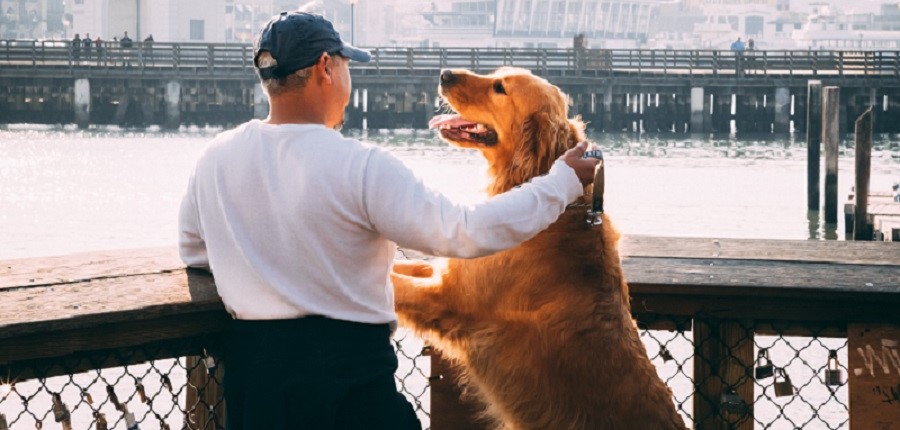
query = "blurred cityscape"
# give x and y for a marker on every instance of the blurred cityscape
(613, 24)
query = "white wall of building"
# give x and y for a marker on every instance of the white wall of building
(207, 18)
(166, 20)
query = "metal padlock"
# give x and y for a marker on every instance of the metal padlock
(3, 424)
(834, 376)
(784, 387)
(130, 422)
(141, 392)
(731, 402)
(101, 421)
(665, 354)
(210, 363)
(166, 382)
(764, 367)
(87, 397)
(113, 398)
(60, 410)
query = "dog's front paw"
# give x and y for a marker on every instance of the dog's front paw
(414, 268)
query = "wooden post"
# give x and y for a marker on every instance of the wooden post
(697, 104)
(831, 136)
(863, 169)
(813, 143)
(205, 396)
(173, 104)
(782, 110)
(723, 359)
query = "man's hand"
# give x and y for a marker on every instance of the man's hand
(584, 167)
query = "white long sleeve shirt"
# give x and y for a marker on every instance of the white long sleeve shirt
(296, 220)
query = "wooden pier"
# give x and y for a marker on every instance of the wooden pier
(85, 312)
(882, 216)
(698, 91)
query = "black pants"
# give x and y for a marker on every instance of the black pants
(313, 373)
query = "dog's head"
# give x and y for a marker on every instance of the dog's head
(517, 120)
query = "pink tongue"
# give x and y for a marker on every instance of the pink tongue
(451, 120)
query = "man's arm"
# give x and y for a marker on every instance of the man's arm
(191, 245)
(404, 210)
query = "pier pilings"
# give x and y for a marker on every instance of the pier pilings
(610, 104)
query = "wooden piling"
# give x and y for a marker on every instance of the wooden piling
(813, 143)
(782, 105)
(863, 163)
(727, 347)
(831, 136)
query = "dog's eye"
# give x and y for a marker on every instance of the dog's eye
(498, 88)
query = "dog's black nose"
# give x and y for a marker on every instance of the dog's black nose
(447, 77)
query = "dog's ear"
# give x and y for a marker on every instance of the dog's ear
(544, 138)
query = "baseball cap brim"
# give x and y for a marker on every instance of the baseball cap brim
(355, 54)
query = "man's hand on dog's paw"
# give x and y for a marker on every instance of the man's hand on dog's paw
(584, 167)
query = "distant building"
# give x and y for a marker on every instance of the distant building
(32, 19)
(541, 24)
(828, 28)
(166, 20)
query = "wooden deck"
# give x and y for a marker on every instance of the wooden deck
(883, 216)
(52, 308)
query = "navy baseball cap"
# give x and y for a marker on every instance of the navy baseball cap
(296, 40)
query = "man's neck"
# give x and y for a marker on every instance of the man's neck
(296, 109)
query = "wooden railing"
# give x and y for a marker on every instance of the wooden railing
(87, 312)
(236, 60)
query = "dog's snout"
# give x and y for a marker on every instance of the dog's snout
(448, 78)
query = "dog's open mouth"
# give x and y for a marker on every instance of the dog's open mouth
(458, 129)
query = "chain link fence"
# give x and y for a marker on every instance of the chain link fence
(158, 392)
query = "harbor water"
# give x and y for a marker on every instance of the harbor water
(64, 190)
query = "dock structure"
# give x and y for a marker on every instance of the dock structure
(698, 91)
(704, 308)
(882, 216)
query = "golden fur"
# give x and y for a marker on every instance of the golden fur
(543, 332)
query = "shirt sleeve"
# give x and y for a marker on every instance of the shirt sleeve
(191, 245)
(404, 210)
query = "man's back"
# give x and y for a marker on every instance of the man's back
(278, 203)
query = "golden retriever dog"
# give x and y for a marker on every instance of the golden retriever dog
(543, 332)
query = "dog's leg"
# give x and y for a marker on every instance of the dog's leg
(424, 304)
(414, 268)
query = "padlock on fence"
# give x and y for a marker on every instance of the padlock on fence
(783, 387)
(113, 398)
(764, 367)
(665, 354)
(87, 397)
(60, 410)
(101, 421)
(834, 376)
(166, 382)
(130, 422)
(3, 424)
(141, 392)
(730, 401)
(210, 363)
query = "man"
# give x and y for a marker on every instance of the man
(148, 49)
(76, 47)
(88, 44)
(737, 45)
(298, 225)
(126, 44)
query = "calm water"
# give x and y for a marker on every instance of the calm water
(65, 191)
